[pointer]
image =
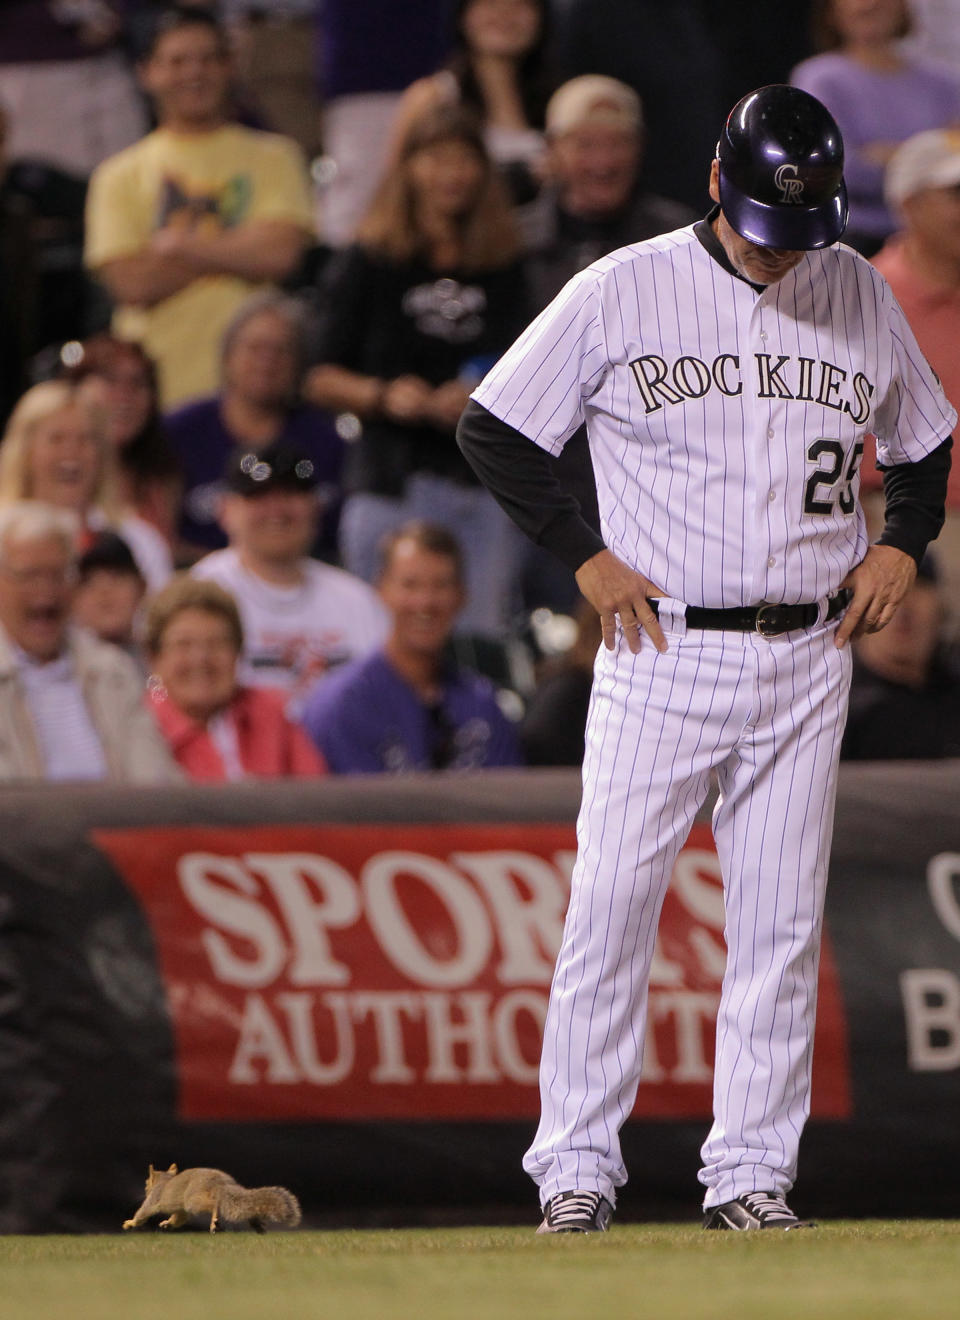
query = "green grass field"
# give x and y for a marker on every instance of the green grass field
(868, 1270)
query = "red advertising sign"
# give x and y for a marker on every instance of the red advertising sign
(402, 971)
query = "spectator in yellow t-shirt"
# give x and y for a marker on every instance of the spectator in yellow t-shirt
(184, 224)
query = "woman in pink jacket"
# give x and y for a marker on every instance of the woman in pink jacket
(216, 730)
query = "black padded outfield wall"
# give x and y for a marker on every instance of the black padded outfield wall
(340, 986)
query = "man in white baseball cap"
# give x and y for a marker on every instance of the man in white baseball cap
(595, 199)
(926, 160)
(921, 262)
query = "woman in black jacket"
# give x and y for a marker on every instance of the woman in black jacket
(414, 315)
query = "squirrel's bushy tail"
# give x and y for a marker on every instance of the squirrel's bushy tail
(274, 1204)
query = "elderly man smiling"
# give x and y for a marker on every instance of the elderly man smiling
(71, 707)
(596, 200)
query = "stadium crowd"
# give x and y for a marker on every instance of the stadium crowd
(254, 257)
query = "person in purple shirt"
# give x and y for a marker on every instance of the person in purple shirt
(404, 708)
(262, 362)
(879, 94)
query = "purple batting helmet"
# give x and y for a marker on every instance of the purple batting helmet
(781, 170)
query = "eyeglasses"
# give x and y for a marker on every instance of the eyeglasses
(40, 577)
(133, 380)
(182, 646)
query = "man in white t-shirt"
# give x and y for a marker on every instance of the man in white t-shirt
(301, 617)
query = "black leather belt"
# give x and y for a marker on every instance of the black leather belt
(767, 620)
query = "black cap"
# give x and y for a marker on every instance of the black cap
(279, 466)
(109, 552)
(781, 170)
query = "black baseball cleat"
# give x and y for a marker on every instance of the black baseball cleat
(576, 1212)
(754, 1210)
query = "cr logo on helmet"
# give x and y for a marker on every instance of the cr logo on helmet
(788, 185)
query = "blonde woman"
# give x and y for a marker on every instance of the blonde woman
(56, 449)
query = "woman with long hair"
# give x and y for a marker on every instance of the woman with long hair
(879, 95)
(415, 313)
(497, 68)
(120, 376)
(56, 449)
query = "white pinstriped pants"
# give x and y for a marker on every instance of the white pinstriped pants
(768, 717)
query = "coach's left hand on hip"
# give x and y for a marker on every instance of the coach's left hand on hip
(879, 582)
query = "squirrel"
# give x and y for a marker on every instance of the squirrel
(213, 1192)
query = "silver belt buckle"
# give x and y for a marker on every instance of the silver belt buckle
(766, 624)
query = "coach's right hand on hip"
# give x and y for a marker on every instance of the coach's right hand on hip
(613, 588)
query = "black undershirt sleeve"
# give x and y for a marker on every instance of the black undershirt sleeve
(519, 475)
(915, 496)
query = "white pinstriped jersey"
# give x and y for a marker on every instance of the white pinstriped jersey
(725, 424)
